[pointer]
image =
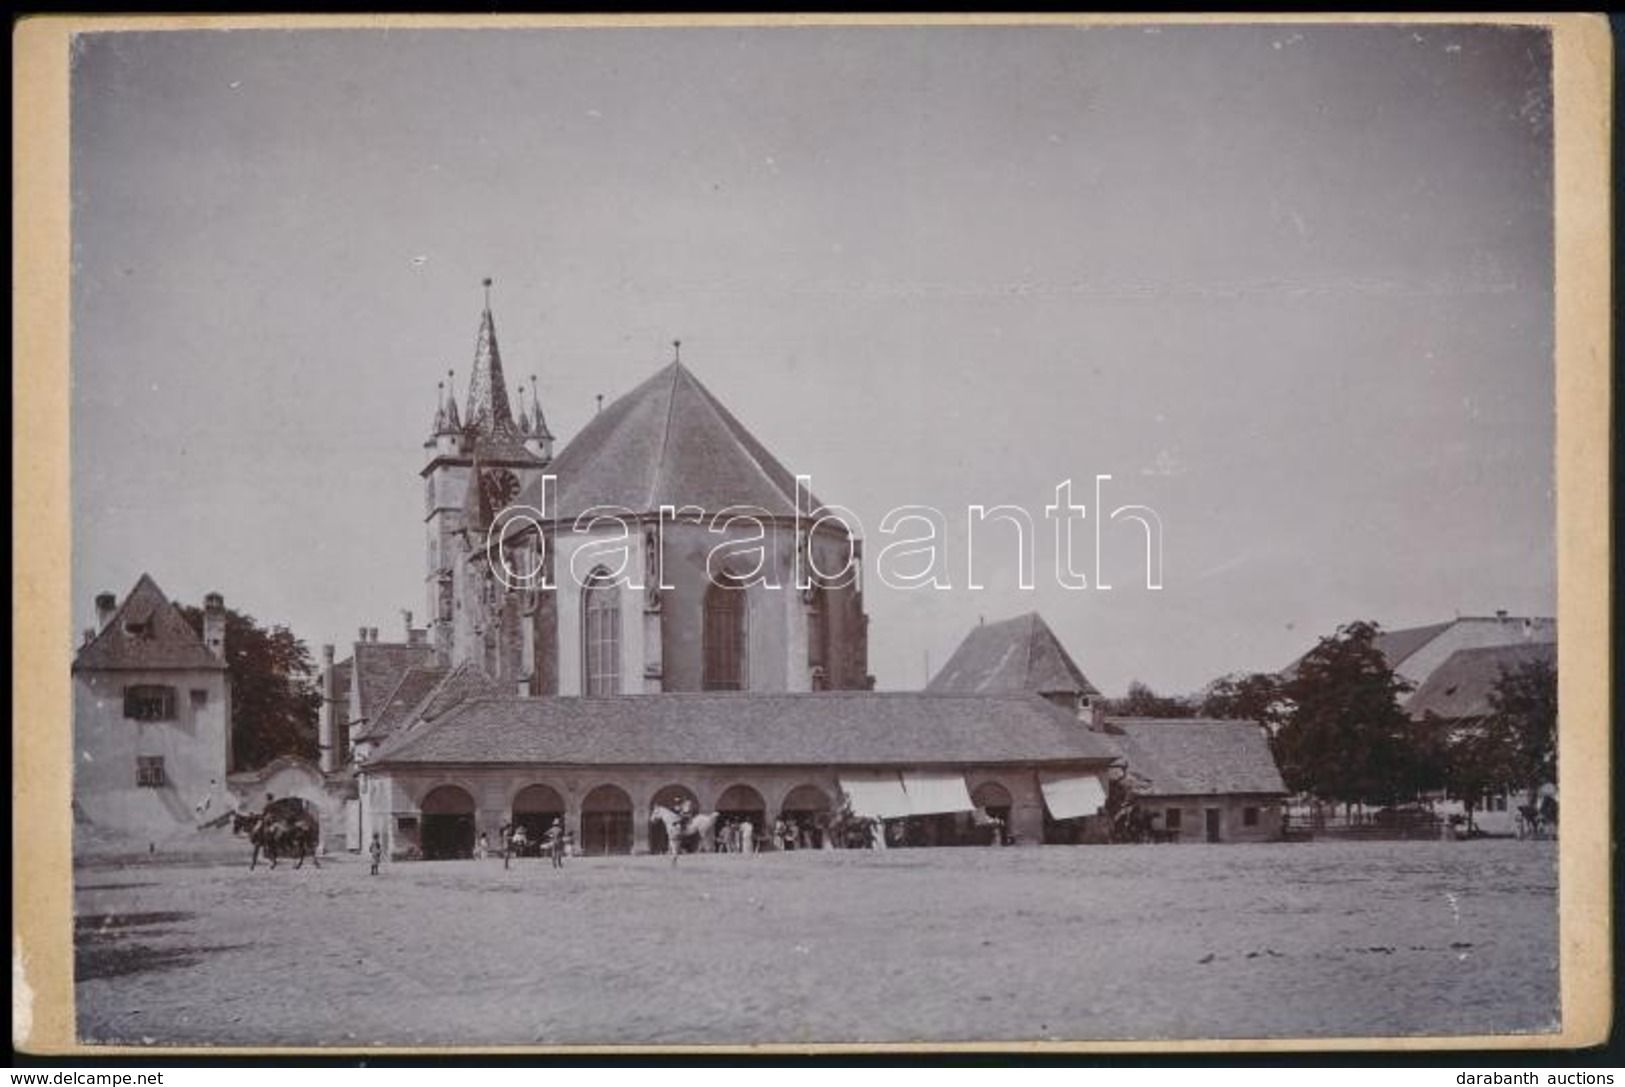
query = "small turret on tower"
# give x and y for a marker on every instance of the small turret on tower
(538, 439)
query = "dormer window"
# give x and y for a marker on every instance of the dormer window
(139, 629)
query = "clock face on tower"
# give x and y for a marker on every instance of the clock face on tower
(501, 488)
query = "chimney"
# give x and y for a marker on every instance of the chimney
(407, 615)
(1092, 713)
(214, 624)
(90, 635)
(1500, 615)
(1528, 630)
(328, 737)
(361, 634)
(417, 636)
(106, 605)
(372, 634)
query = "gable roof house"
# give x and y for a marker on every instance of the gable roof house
(151, 714)
(1203, 779)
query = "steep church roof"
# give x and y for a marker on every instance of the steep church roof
(1020, 654)
(146, 632)
(667, 442)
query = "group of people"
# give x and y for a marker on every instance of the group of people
(556, 840)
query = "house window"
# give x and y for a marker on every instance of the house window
(199, 698)
(148, 703)
(601, 636)
(1170, 819)
(149, 771)
(725, 611)
(1249, 817)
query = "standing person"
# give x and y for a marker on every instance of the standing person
(483, 849)
(747, 837)
(376, 852)
(555, 843)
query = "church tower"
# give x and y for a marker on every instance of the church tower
(484, 443)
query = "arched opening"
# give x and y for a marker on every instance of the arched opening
(726, 608)
(448, 824)
(535, 808)
(606, 821)
(993, 801)
(670, 796)
(600, 635)
(807, 807)
(738, 806)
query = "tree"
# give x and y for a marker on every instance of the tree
(1142, 701)
(275, 703)
(1524, 708)
(1478, 759)
(1346, 738)
(1239, 697)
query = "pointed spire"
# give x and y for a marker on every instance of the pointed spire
(451, 420)
(439, 426)
(677, 352)
(488, 409)
(524, 416)
(538, 421)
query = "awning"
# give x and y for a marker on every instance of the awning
(876, 795)
(1070, 796)
(934, 794)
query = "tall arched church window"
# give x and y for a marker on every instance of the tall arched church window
(726, 608)
(600, 636)
(817, 628)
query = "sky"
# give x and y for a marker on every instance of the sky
(1288, 286)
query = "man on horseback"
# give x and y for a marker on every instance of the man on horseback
(684, 809)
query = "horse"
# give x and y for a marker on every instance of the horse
(279, 834)
(699, 829)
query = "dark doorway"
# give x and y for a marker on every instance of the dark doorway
(1213, 817)
(448, 824)
(606, 821)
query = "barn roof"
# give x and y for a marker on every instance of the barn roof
(847, 728)
(1461, 686)
(1197, 756)
(667, 442)
(1015, 655)
(146, 632)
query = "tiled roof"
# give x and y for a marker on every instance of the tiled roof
(378, 667)
(1020, 654)
(847, 728)
(160, 636)
(667, 442)
(415, 685)
(1461, 686)
(1197, 756)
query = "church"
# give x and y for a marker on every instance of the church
(652, 652)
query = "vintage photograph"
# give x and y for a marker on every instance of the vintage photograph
(719, 535)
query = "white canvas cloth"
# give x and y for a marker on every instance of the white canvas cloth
(876, 795)
(1067, 796)
(936, 793)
